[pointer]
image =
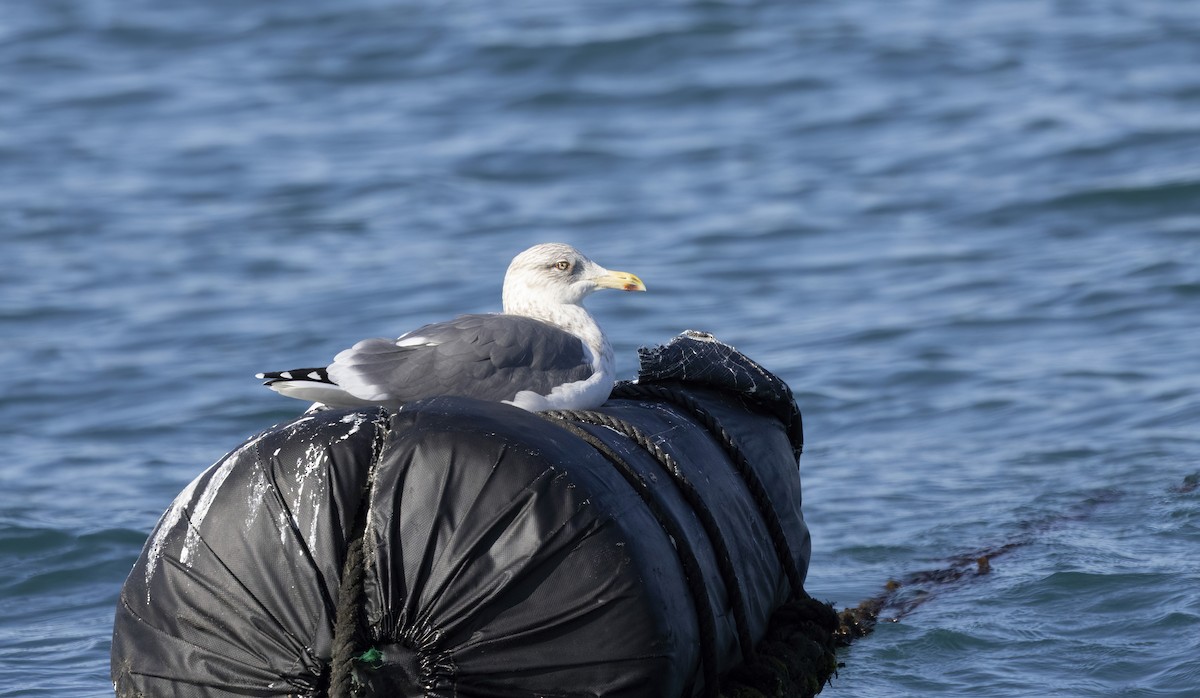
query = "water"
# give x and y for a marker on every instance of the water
(967, 234)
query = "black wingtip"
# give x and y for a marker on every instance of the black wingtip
(296, 374)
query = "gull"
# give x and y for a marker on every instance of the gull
(544, 352)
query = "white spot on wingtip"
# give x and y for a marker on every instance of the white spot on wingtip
(286, 374)
(314, 375)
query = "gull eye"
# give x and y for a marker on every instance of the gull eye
(562, 265)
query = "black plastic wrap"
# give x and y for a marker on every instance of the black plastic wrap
(504, 556)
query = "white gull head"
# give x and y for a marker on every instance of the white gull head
(552, 274)
(548, 282)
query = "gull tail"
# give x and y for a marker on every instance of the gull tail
(311, 384)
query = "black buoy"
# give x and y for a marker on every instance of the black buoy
(654, 546)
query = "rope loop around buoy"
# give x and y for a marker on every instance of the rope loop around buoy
(758, 491)
(348, 632)
(692, 572)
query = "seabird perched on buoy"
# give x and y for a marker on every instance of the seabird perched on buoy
(544, 352)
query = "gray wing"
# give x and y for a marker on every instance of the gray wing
(489, 357)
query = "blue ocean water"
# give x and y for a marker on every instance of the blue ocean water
(967, 235)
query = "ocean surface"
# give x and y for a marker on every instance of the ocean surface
(966, 233)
